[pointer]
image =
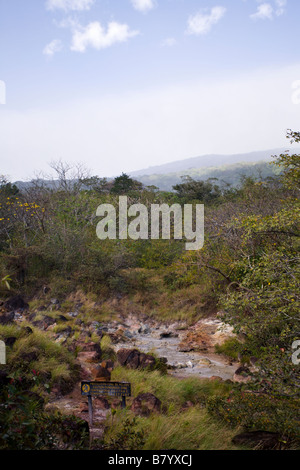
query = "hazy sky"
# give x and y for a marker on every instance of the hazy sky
(121, 85)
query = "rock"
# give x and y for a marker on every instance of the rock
(108, 364)
(18, 316)
(197, 340)
(90, 347)
(179, 365)
(44, 323)
(101, 403)
(242, 375)
(189, 364)
(204, 362)
(128, 334)
(16, 303)
(123, 355)
(115, 403)
(72, 314)
(134, 359)
(27, 330)
(215, 378)
(67, 331)
(84, 407)
(101, 374)
(146, 360)
(88, 356)
(144, 330)
(164, 360)
(186, 348)
(85, 373)
(61, 339)
(117, 336)
(10, 341)
(54, 305)
(6, 318)
(96, 328)
(145, 404)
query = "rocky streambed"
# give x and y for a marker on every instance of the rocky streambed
(187, 351)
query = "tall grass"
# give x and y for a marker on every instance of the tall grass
(172, 392)
(177, 426)
(39, 353)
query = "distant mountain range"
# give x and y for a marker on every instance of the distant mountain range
(226, 168)
(209, 161)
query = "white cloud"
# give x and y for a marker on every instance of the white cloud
(143, 5)
(281, 5)
(201, 23)
(53, 47)
(94, 35)
(265, 11)
(69, 5)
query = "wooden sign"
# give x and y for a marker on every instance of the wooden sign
(104, 389)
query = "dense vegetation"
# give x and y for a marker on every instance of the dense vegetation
(248, 271)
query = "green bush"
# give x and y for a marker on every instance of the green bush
(258, 412)
(24, 425)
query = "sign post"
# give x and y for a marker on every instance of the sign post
(104, 389)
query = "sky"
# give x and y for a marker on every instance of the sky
(121, 85)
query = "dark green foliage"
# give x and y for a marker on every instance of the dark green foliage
(128, 438)
(124, 184)
(259, 412)
(204, 191)
(24, 425)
